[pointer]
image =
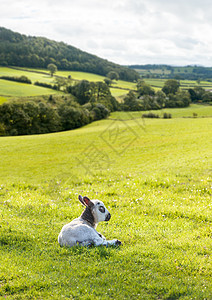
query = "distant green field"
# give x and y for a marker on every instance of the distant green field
(121, 87)
(155, 179)
(164, 70)
(88, 76)
(158, 83)
(9, 89)
(146, 72)
(118, 92)
(16, 89)
(184, 84)
(191, 84)
(94, 77)
(31, 75)
(74, 74)
(188, 112)
(125, 84)
(81, 75)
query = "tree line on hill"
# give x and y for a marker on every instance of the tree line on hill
(22, 79)
(37, 52)
(173, 72)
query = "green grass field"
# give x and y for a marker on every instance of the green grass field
(184, 84)
(154, 175)
(81, 75)
(17, 89)
(165, 70)
(187, 112)
(119, 88)
(33, 76)
(8, 88)
(94, 77)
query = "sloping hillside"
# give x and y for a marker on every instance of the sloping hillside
(27, 51)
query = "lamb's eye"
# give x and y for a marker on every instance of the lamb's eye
(102, 209)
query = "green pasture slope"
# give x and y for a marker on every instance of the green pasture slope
(16, 89)
(155, 178)
(88, 76)
(31, 74)
(118, 88)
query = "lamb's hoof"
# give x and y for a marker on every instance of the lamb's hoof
(118, 243)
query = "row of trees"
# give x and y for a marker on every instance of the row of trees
(201, 95)
(147, 99)
(93, 92)
(88, 101)
(37, 52)
(22, 79)
(39, 117)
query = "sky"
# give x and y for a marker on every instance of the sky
(127, 32)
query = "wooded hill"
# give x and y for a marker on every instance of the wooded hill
(37, 52)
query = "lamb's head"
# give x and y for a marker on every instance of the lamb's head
(95, 211)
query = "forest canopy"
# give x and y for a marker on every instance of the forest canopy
(38, 52)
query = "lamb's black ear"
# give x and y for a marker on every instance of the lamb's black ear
(81, 200)
(87, 202)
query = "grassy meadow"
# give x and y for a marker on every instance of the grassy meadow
(16, 89)
(118, 89)
(154, 175)
(31, 74)
(203, 111)
(157, 84)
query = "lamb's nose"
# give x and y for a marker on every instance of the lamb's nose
(108, 217)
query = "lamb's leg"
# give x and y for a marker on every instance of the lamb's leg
(101, 241)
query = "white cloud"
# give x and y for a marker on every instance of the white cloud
(123, 31)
